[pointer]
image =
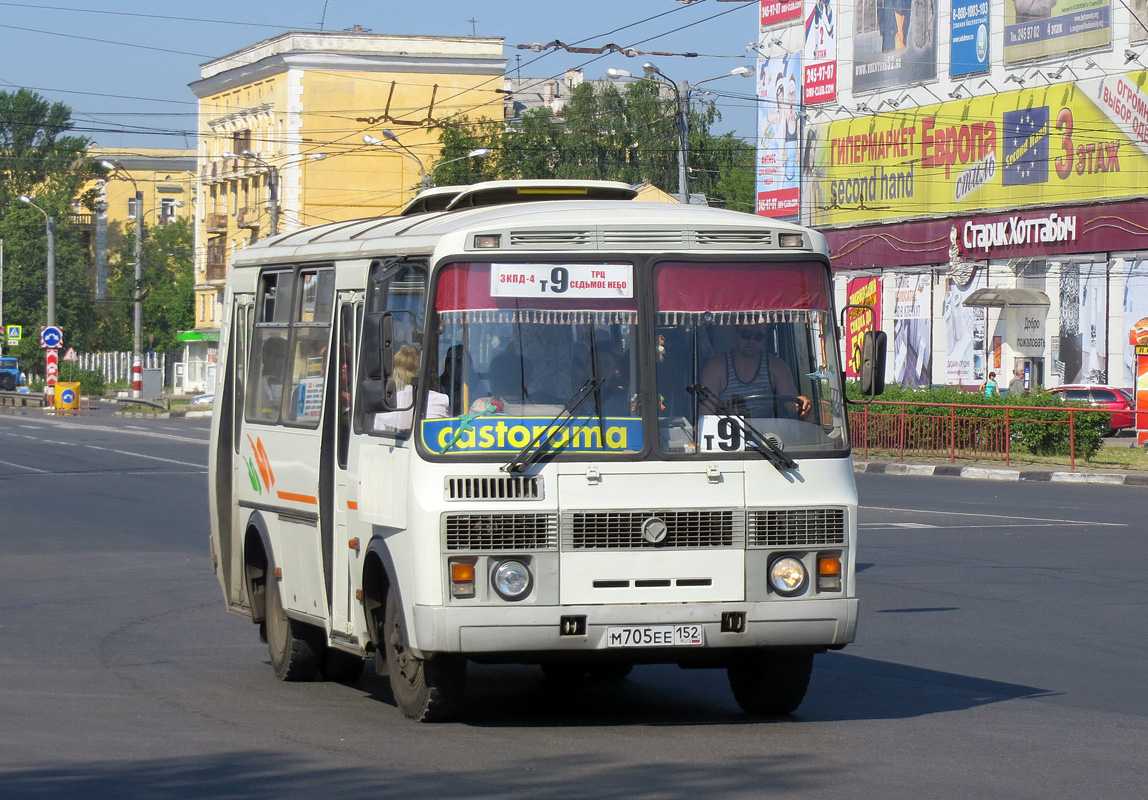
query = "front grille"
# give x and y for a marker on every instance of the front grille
(487, 532)
(494, 488)
(608, 530)
(796, 527)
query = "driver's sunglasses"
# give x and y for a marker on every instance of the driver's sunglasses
(758, 336)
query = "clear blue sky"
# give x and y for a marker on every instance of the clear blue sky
(124, 66)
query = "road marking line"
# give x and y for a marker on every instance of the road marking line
(995, 516)
(141, 455)
(24, 466)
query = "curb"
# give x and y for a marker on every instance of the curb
(999, 474)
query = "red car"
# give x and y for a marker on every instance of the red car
(1101, 397)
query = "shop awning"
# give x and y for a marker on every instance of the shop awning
(1007, 298)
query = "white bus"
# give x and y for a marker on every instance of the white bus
(547, 424)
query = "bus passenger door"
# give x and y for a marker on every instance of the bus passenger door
(343, 557)
(236, 383)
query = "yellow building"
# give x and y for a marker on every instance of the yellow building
(281, 127)
(166, 177)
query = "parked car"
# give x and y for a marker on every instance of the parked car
(1099, 396)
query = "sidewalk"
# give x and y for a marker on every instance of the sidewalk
(987, 470)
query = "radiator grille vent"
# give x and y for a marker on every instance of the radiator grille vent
(551, 238)
(500, 532)
(494, 488)
(607, 530)
(636, 238)
(727, 238)
(796, 527)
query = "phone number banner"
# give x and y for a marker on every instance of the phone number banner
(1050, 145)
(969, 38)
(820, 81)
(1040, 28)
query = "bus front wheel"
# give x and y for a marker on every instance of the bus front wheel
(770, 682)
(425, 690)
(294, 646)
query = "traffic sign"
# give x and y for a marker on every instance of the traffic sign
(51, 367)
(15, 332)
(71, 355)
(51, 336)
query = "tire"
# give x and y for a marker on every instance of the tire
(770, 683)
(340, 666)
(425, 690)
(8, 383)
(294, 646)
(610, 672)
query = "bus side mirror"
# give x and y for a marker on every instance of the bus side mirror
(376, 364)
(873, 347)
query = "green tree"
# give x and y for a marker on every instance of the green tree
(168, 284)
(37, 158)
(607, 132)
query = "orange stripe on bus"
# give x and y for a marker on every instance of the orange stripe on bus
(353, 505)
(299, 498)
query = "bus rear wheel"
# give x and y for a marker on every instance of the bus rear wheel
(425, 690)
(294, 646)
(770, 682)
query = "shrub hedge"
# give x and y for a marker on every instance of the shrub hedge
(1030, 432)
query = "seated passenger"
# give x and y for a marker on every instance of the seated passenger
(406, 367)
(747, 371)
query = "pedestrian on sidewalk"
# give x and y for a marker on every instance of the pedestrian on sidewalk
(1016, 385)
(989, 386)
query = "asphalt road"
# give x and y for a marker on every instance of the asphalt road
(1000, 654)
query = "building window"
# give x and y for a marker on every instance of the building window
(132, 208)
(167, 208)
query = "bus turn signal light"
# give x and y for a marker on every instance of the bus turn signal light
(461, 579)
(828, 573)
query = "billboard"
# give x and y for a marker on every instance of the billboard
(964, 333)
(912, 330)
(1138, 28)
(894, 44)
(860, 292)
(970, 25)
(1043, 28)
(1064, 143)
(779, 136)
(820, 77)
(775, 12)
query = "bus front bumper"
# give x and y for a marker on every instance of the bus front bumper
(526, 629)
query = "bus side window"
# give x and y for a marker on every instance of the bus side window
(268, 347)
(311, 327)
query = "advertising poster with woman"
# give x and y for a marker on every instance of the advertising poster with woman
(779, 136)
(894, 43)
(964, 333)
(913, 331)
(1135, 325)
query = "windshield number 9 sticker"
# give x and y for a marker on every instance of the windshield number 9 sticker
(562, 280)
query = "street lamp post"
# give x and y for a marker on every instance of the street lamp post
(682, 91)
(50, 224)
(426, 179)
(272, 186)
(137, 282)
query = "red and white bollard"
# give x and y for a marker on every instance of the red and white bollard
(137, 379)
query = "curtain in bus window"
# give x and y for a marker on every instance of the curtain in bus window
(728, 291)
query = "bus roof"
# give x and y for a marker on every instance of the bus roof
(554, 225)
(490, 193)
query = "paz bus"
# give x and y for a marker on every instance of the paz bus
(537, 422)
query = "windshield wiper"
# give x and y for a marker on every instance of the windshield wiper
(538, 445)
(759, 442)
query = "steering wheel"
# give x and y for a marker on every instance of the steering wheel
(784, 406)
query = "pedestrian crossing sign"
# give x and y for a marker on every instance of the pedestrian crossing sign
(15, 332)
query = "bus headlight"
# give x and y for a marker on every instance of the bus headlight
(512, 580)
(787, 576)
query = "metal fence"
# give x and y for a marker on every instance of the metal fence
(937, 429)
(118, 366)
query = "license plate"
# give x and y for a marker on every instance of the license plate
(654, 636)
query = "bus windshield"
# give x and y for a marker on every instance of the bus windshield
(748, 341)
(515, 344)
